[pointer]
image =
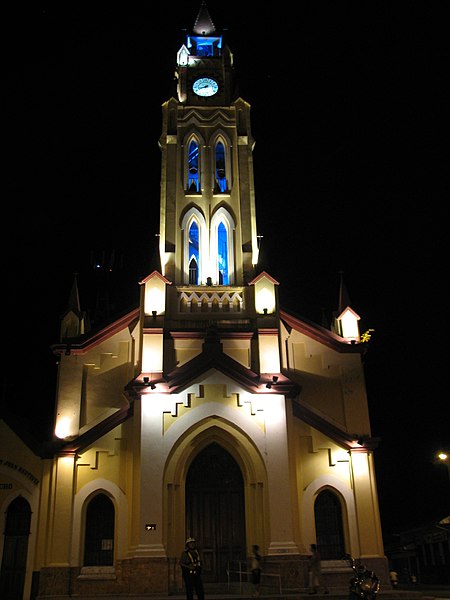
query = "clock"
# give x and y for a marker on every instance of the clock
(205, 86)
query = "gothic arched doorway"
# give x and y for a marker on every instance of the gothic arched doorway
(215, 513)
(15, 549)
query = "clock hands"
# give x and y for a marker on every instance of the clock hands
(205, 87)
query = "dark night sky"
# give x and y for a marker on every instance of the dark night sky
(352, 175)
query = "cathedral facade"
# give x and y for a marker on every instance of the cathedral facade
(208, 411)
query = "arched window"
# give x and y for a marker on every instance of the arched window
(15, 549)
(222, 254)
(221, 174)
(193, 178)
(193, 271)
(195, 238)
(222, 227)
(193, 253)
(99, 533)
(329, 529)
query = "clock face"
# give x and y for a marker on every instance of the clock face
(205, 86)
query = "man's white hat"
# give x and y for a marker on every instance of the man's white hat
(190, 539)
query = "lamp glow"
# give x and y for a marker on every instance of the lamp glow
(182, 56)
(269, 358)
(360, 464)
(444, 457)
(265, 299)
(152, 353)
(154, 300)
(274, 410)
(349, 325)
(62, 429)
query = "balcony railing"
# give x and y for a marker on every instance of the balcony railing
(206, 300)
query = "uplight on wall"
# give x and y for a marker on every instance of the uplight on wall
(62, 429)
(360, 464)
(152, 353)
(148, 382)
(272, 382)
(269, 354)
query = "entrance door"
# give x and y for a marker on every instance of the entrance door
(215, 511)
(14, 561)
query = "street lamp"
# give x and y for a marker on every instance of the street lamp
(445, 458)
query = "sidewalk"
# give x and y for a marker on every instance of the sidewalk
(435, 590)
(417, 593)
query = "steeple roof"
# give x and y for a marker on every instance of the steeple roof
(73, 320)
(203, 24)
(74, 298)
(344, 298)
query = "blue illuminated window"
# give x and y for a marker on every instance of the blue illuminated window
(194, 254)
(222, 254)
(221, 178)
(204, 46)
(193, 161)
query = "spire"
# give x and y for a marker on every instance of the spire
(344, 298)
(74, 298)
(73, 321)
(203, 24)
(325, 322)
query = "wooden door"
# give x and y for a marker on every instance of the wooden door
(215, 511)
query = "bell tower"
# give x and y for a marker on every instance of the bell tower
(205, 71)
(208, 233)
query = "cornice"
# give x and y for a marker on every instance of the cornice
(355, 442)
(212, 357)
(88, 341)
(320, 334)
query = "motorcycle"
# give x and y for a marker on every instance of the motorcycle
(364, 584)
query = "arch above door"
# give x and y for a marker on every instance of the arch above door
(243, 451)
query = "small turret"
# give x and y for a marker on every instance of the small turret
(73, 320)
(345, 319)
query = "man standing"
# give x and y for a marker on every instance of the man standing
(256, 569)
(315, 571)
(191, 570)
